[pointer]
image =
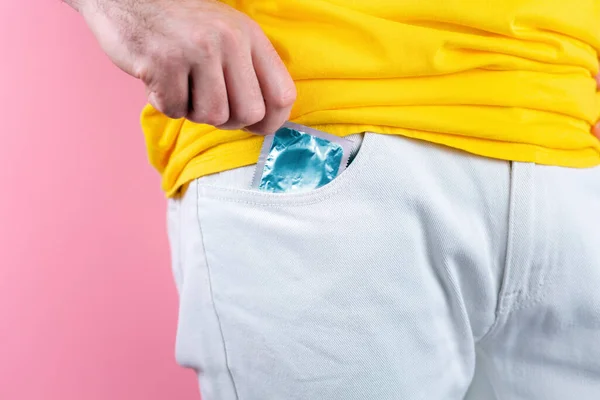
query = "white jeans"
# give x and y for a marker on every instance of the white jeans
(419, 273)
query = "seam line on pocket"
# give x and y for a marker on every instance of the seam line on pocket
(298, 200)
(210, 287)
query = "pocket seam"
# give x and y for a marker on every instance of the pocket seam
(293, 200)
(211, 293)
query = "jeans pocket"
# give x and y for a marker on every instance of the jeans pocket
(234, 185)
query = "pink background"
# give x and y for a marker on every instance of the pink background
(87, 304)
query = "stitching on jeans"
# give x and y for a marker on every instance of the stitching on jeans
(210, 284)
(295, 201)
(524, 297)
(289, 201)
(519, 292)
(283, 201)
(504, 294)
(523, 303)
(522, 306)
(517, 299)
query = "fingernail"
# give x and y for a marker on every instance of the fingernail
(596, 130)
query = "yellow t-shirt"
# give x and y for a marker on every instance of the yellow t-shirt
(509, 79)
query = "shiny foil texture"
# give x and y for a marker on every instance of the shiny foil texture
(297, 161)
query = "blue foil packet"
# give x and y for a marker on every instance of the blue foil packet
(300, 159)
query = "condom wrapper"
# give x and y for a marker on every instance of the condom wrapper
(300, 159)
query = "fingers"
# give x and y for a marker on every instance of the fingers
(236, 80)
(249, 89)
(208, 95)
(167, 90)
(246, 104)
(278, 88)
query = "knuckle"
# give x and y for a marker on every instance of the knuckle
(142, 72)
(285, 98)
(231, 37)
(207, 43)
(251, 115)
(264, 128)
(158, 100)
(153, 71)
(176, 111)
(219, 25)
(166, 105)
(223, 30)
(215, 117)
(253, 27)
(172, 111)
(170, 60)
(211, 41)
(196, 117)
(158, 57)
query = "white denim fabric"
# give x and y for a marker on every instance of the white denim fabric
(421, 272)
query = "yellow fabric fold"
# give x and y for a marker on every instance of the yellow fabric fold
(508, 79)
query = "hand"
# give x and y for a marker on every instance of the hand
(199, 59)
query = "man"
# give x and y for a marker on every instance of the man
(461, 242)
